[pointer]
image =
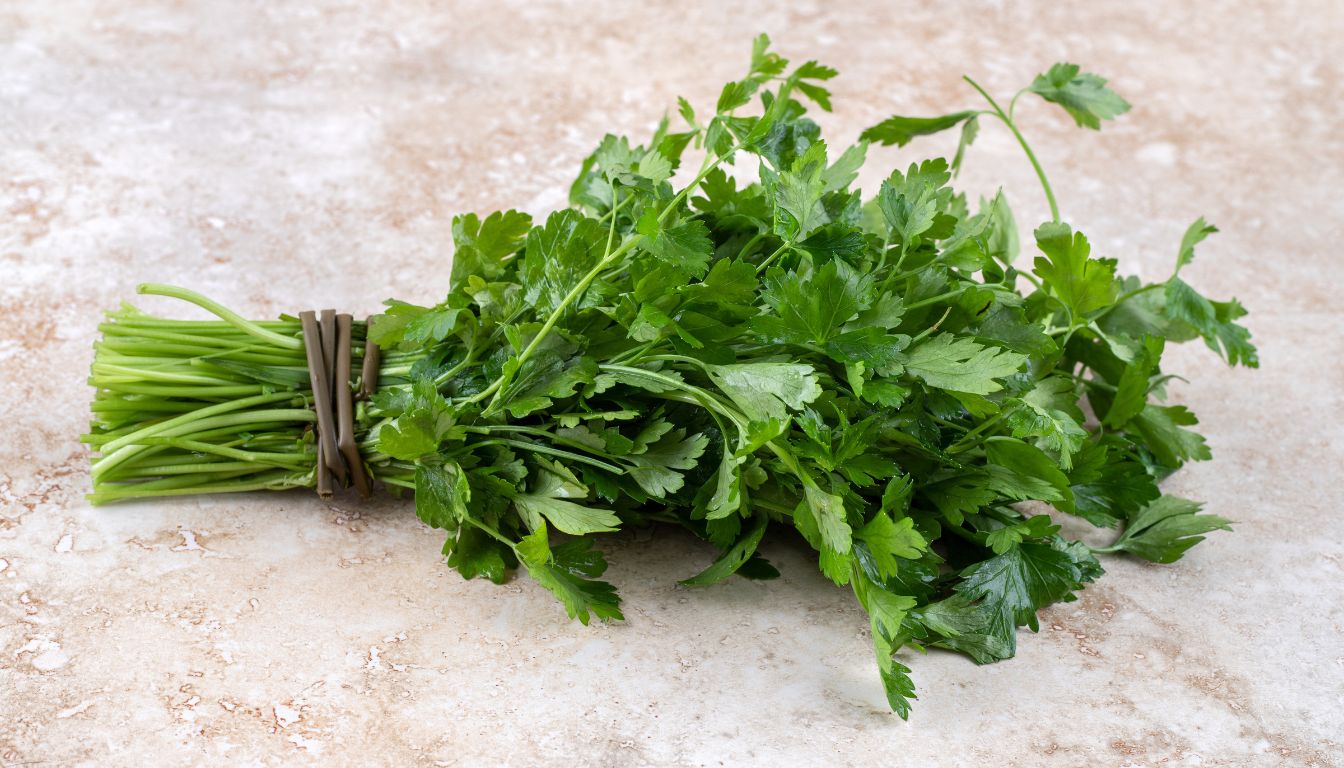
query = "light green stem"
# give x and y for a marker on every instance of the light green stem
(1012, 126)
(220, 311)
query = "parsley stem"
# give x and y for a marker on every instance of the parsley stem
(220, 311)
(549, 451)
(934, 299)
(948, 424)
(611, 230)
(932, 328)
(635, 354)
(704, 399)
(1091, 382)
(769, 259)
(1127, 296)
(490, 531)
(534, 432)
(1012, 126)
(711, 162)
(448, 375)
(570, 298)
(747, 249)
(965, 444)
(579, 288)
(197, 416)
(677, 359)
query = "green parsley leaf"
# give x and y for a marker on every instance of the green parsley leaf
(1162, 430)
(812, 308)
(1166, 528)
(1083, 285)
(685, 246)
(426, 421)
(887, 540)
(797, 195)
(569, 572)
(961, 364)
(731, 560)
(1108, 485)
(1022, 580)
(441, 493)
(575, 519)
(1082, 94)
(766, 390)
(900, 130)
(483, 245)
(473, 553)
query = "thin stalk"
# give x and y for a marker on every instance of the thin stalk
(1012, 126)
(934, 299)
(966, 441)
(198, 415)
(222, 312)
(226, 451)
(611, 257)
(233, 420)
(549, 451)
(751, 244)
(279, 481)
(928, 331)
(771, 258)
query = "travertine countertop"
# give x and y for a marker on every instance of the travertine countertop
(258, 151)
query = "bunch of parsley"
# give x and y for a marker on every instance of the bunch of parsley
(740, 358)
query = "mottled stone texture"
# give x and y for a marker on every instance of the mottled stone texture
(280, 156)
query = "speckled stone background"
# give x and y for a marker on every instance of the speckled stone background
(259, 151)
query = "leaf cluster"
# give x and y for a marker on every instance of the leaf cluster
(748, 357)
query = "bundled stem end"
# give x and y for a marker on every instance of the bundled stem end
(190, 406)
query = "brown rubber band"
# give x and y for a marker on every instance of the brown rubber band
(327, 326)
(326, 322)
(345, 409)
(323, 476)
(368, 375)
(328, 341)
(317, 378)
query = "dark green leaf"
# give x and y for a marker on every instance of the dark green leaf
(1166, 528)
(900, 130)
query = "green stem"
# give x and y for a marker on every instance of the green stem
(549, 451)
(1012, 126)
(610, 258)
(932, 328)
(226, 451)
(771, 258)
(111, 459)
(278, 481)
(220, 311)
(490, 531)
(934, 299)
(705, 170)
(448, 375)
(197, 415)
(747, 249)
(1127, 296)
(704, 399)
(967, 440)
(533, 432)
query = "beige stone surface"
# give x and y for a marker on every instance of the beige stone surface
(259, 151)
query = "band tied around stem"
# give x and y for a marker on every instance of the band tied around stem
(327, 344)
